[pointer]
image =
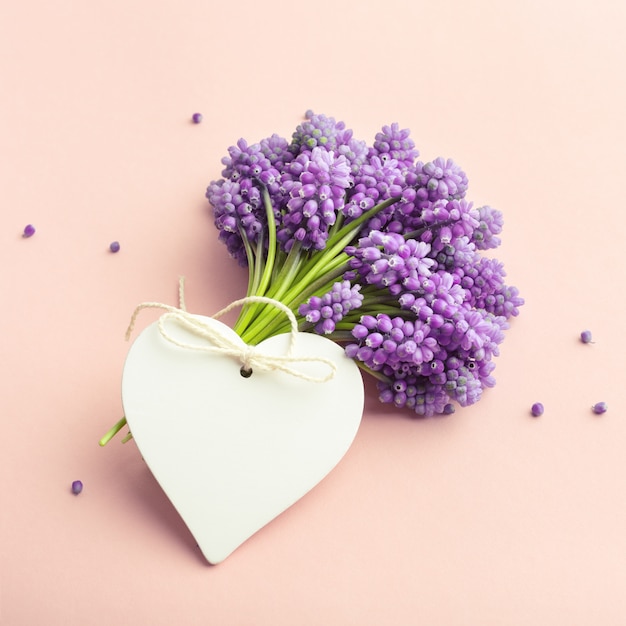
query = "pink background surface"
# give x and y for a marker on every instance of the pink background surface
(485, 517)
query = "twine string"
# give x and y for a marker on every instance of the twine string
(219, 342)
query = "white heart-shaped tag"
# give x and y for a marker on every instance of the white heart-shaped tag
(232, 453)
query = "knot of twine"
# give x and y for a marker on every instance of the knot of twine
(219, 343)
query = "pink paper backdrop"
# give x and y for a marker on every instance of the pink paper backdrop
(486, 517)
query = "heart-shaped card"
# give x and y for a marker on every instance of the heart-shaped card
(230, 452)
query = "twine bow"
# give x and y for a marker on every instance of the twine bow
(219, 343)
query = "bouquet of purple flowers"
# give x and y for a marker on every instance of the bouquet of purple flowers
(373, 249)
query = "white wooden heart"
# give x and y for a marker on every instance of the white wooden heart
(232, 453)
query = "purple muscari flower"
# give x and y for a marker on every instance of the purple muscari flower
(468, 389)
(77, 487)
(395, 143)
(463, 217)
(315, 184)
(276, 150)
(443, 293)
(464, 380)
(449, 220)
(249, 161)
(388, 260)
(324, 132)
(490, 223)
(493, 334)
(467, 339)
(392, 343)
(237, 206)
(237, 198)
(469, 329)
(450, 251)
(355, 152)
(475, 334)
(435, 213)
(441, 179)
(485, 288)
(482, 280)
(407, 390)
(319, 131)
(472, 336)
(328, 310)
(507, 302)
(377, 180)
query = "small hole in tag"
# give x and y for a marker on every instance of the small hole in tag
(246, 373)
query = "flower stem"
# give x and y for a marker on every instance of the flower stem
(340, 336)
(260, 287)
(268, 324)
(250, 257)
(259, 263)
(111, 433)
(255, 274)
(271, 245)
(287, 273)
(379, 299)
(378, 375)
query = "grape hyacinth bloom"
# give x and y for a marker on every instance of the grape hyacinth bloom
(441, 179)
(276, 150)
(395, 143)
(316, 193)
(327, 311)
(240, 213)
(392, 344)
(388, 260)
(421, 397)
(377, 180)
(324, 132)
(489, 226)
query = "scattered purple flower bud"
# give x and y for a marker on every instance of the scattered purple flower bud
(536, 409)
(585, 336)
(599, 407)
(448, 409)
(196, 118)
(29, 231)
(115, 246)
(77, 487)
